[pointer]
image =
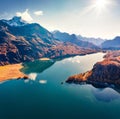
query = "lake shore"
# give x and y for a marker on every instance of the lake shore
(8, 72)
(12, 71)
(105, 73)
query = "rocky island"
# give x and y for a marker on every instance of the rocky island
(103, 74)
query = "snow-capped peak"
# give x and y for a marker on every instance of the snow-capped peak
(16, 21)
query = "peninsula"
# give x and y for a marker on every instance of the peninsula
(103, 74)
(11, 72)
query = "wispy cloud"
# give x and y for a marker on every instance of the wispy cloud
(38, 13)
(25, 15)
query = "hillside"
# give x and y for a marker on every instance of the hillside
(21, 42)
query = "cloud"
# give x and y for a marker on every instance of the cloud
(25, 15)
(38, 13)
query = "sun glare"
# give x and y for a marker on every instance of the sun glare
(101, 5)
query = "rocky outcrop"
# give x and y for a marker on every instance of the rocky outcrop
(104, 73)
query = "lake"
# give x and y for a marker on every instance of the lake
(43, 96)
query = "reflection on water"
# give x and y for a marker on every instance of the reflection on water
(34, 69)
(43, 81)
(42, 95)
(37, 66)
(105, 94)
(32, 76)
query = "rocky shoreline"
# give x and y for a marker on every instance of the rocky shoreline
(103, 74)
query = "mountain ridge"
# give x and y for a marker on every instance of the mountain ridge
(66, 37)
(15, 21)
(32, 41)
(112, 44)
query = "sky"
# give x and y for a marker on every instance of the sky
(89, 18)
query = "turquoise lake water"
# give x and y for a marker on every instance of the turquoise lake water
(44, 97)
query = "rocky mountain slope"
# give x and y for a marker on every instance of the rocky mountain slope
(21, 41)
(105, 73)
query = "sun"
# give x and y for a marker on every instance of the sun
(101, 4)
(99, 7)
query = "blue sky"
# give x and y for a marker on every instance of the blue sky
(90, 18)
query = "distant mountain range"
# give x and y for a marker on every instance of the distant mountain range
(95, 41)
(112, 44)
(67, 37)
(21, 41)
(88, 42)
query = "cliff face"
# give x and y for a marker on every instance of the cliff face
(103, 73)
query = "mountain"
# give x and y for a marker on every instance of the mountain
(112, 44)
(63, 36)
(95, 41)
(21, 41)
(15, 21)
